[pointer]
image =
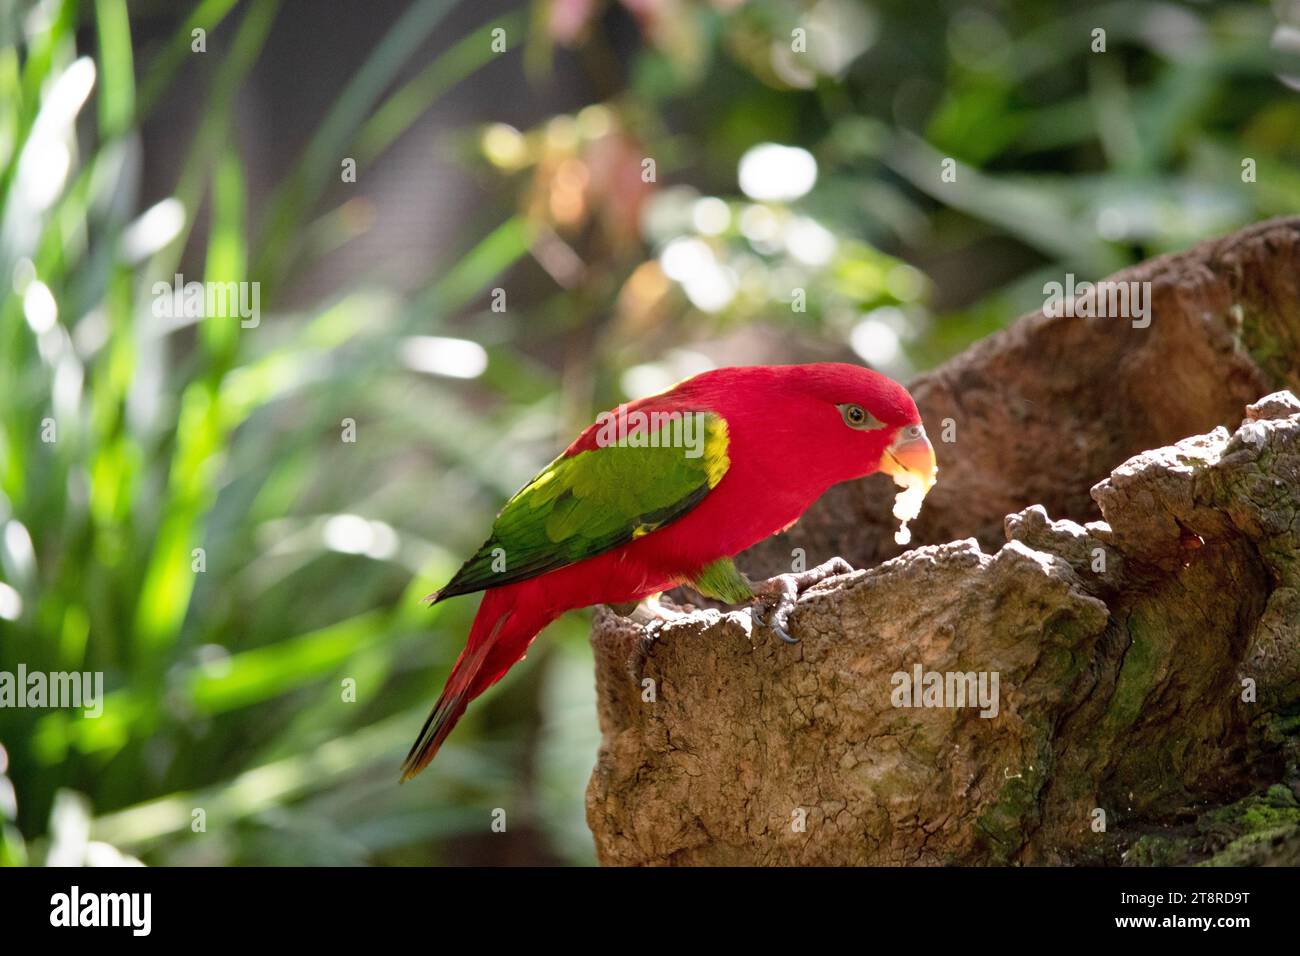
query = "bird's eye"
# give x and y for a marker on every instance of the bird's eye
(855, 416)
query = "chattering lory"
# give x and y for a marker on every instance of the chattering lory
(664, 491)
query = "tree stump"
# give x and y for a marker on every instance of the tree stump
(1136, 640)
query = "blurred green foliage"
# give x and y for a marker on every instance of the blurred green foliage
(128, 439)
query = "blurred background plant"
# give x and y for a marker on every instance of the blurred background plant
(599, 199)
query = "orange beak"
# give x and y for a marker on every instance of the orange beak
(910, 459)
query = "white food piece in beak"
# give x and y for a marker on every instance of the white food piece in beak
(910, 462)
(907, 503)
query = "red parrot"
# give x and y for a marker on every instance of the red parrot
(665, 491)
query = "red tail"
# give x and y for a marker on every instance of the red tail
(498, 639)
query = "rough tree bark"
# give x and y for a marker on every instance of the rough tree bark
(1146, 641)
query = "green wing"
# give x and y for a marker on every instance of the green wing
(586, 504)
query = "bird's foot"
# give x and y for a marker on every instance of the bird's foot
(777, 596)
(648, 611)
(645, 641)
(652, 615)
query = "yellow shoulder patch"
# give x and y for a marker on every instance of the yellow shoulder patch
(716, 442)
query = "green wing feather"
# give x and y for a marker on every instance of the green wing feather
(585, 504)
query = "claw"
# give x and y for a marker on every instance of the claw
(783, 591)
(652, 616)
(762, 614)
(783, 634)
(641, 652)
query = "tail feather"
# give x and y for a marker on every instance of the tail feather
(451, 705)
(498, 639)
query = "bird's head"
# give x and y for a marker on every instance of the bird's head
(803, 428)
(856, 422)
